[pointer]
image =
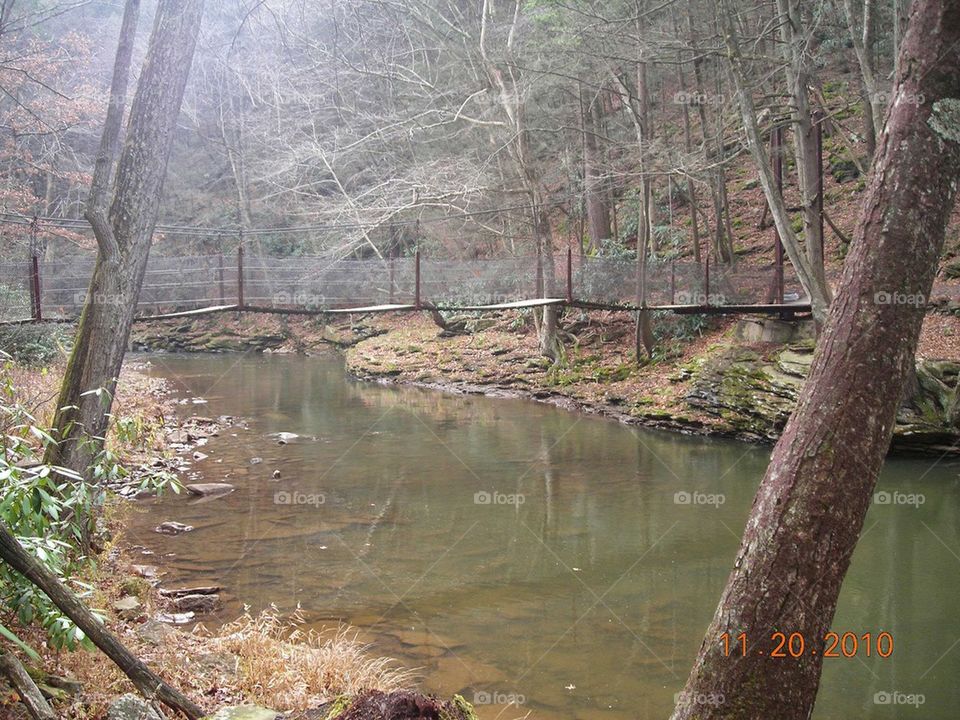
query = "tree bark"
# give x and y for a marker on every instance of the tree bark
(809, 510)
(124, 237)
(145, 680)
(598, 214)
(30, 694)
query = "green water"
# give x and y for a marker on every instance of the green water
(588, 599)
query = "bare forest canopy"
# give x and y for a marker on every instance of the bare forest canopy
(469, 128)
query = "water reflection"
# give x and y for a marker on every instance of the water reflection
(517, 550)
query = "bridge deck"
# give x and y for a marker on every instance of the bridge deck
(759, 309)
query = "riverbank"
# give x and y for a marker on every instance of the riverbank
(723, 377)
(264, 659)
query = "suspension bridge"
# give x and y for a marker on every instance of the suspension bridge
(183, 286)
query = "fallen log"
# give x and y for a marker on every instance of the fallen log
(145, 680)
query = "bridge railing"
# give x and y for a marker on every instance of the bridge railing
(59, 288)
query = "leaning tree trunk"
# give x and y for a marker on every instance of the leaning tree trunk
(793, 44)
(124, 234)
(143, 678)
(810, 508)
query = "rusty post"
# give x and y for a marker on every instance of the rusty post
(673, 281)
(223, 292)
(35, 288)
(416, 290)
(392, 270)
(240, 302)
(569, 275)
(706, 282)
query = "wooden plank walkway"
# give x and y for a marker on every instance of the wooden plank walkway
(517, 305)
(756, 309)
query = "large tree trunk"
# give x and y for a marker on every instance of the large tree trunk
(598, 213)
(810, 508)
(124, 235)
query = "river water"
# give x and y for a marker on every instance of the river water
(512, 551)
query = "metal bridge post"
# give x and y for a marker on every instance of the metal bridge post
(223, 293)
(36, 311)
(35, 289)
(673, 281)
(393, 264)
(240, 302)
(416, 277)
(706, 282)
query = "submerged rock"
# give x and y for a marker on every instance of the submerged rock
(196, 603)
(176, 618)
(400, 705)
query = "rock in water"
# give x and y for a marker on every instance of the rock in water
(145, 571)
(196, 603)
(172, 528)
(207, 489)
(131, 707)
(176, 618)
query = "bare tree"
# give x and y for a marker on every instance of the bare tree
(125, 231)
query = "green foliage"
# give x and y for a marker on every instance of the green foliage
(44, 507)
(615, 248)
(684, 328)
(34, 345)
(48, 509)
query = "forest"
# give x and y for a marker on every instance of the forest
(471, 359)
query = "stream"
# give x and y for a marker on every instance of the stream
(514, 552)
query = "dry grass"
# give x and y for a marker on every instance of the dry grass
(282, 667)
(263, 659)
(138, 410)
